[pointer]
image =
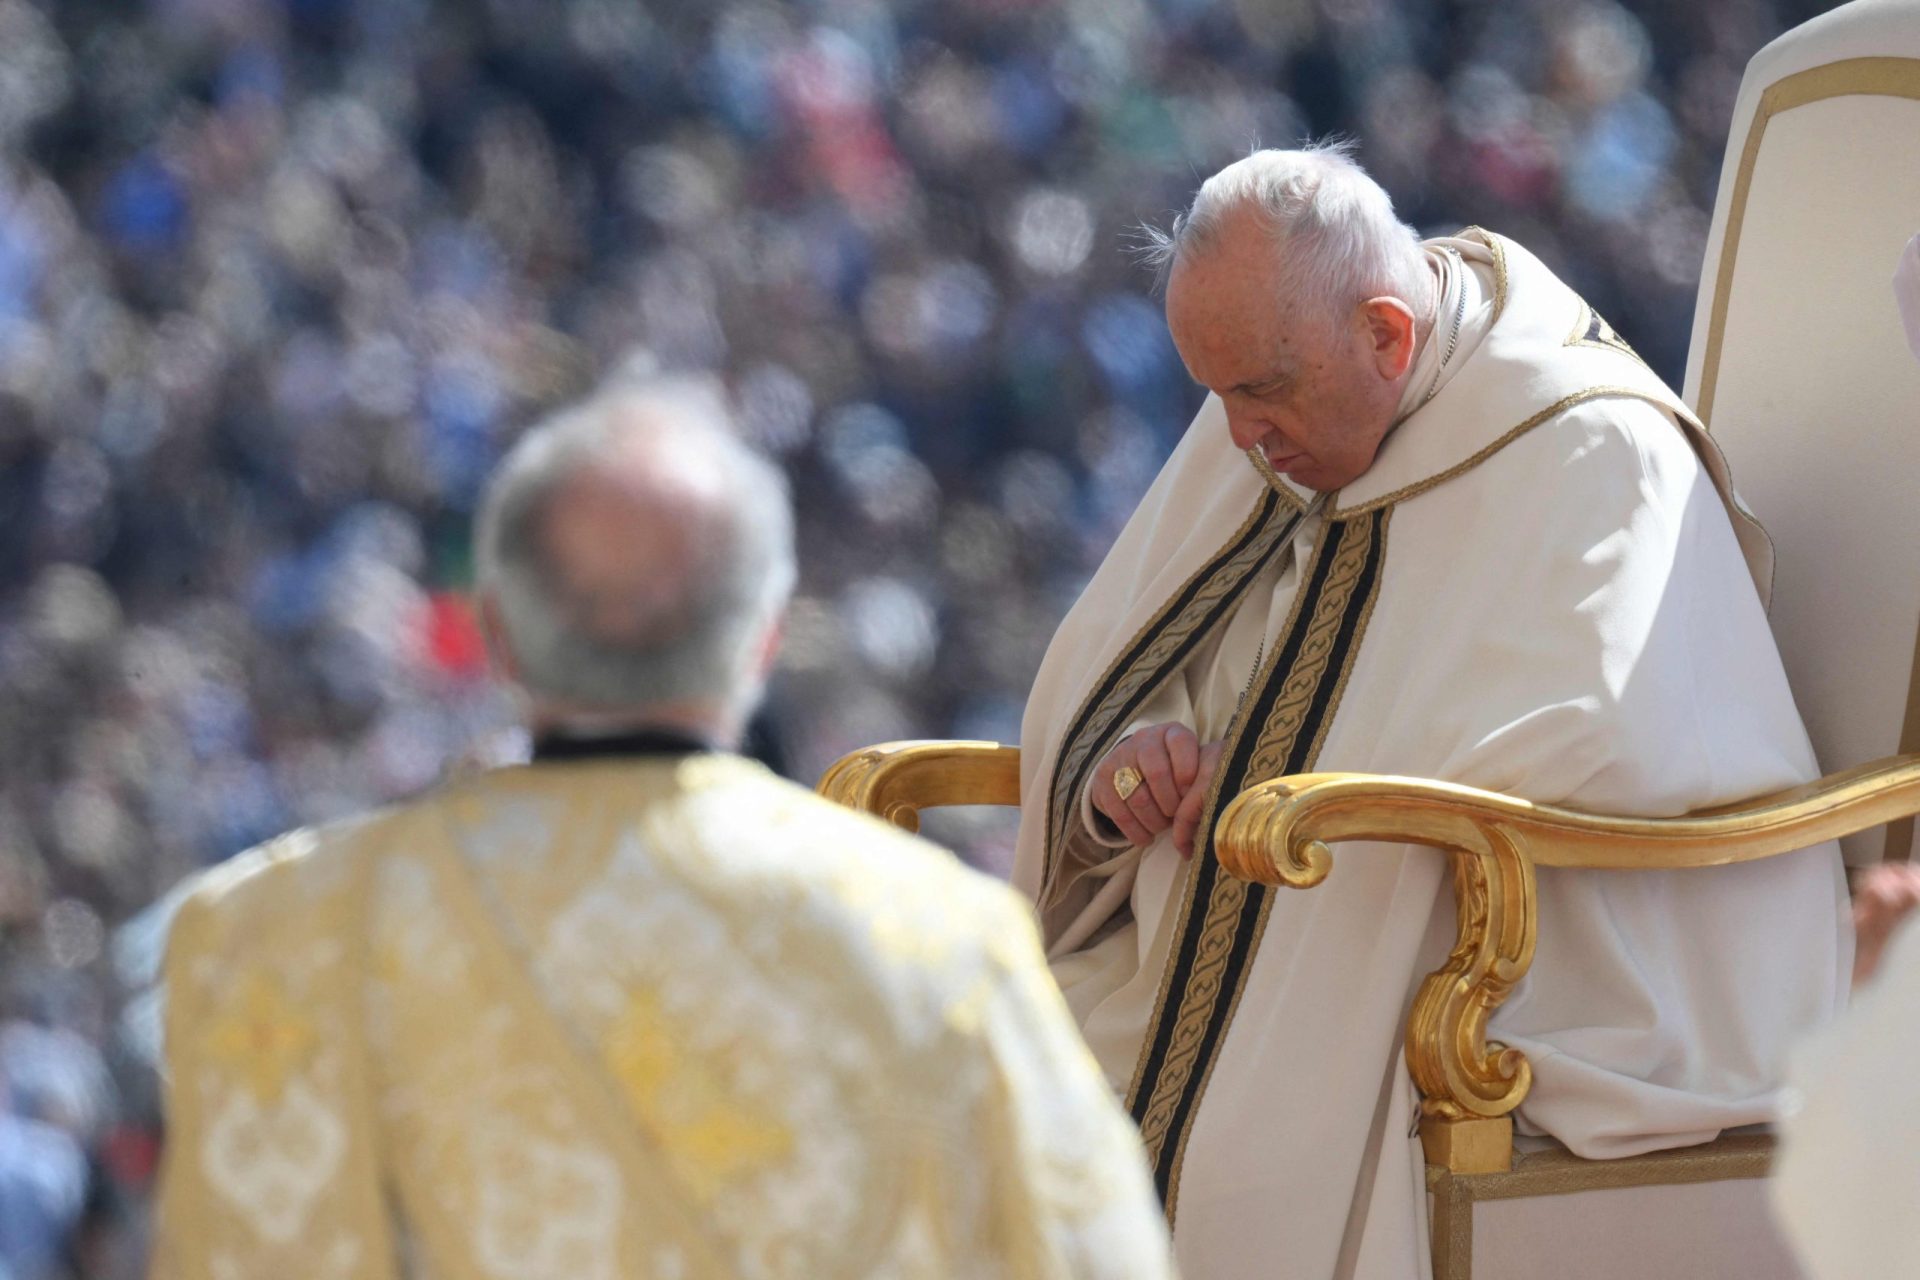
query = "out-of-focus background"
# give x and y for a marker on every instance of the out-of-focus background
(279, 280)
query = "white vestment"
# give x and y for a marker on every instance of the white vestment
(1544, 587)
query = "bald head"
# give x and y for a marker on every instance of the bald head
(627, 535)
(635, 554)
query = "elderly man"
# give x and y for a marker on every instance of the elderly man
(638, 1008)
(1435, 518)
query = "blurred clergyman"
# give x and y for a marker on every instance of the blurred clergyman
(637, 1008)
(1436, 519)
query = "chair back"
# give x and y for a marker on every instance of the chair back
(1800, 368)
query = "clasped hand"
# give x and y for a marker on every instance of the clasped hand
(1175, 772)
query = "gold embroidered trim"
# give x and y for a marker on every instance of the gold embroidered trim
(1282, 729)
(1197, 998)
(1172, 1202)
(1172, 633)
(1591, 329)
(1234, 729)
(1347, 660)
(571, 1062)
(1274, 482)
(1499, 252)
(1352, 651)
(1201, 990)
(1461, 468)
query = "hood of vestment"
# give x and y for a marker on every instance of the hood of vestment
(1506, 389)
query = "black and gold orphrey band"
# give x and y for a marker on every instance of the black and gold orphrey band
(1151, 658)
(1277, 731)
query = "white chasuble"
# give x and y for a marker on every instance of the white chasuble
(613, 1019)
(1544, 586)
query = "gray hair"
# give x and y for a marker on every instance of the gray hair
(1343, 243)
(695, 640)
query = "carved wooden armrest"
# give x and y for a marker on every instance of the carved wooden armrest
(1279, 833)
(898, 779)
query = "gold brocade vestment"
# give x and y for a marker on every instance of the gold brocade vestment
(666, 1018)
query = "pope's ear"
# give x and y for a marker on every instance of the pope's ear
(1389, 333)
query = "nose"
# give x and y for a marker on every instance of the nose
(1246, 429)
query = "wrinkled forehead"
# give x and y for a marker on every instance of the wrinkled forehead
(1231, 321)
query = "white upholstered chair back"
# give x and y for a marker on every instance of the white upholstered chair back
(1800, 369)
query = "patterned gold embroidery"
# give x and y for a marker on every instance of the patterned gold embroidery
(264, 1040)
(273, 1160)
(712, 1139)
(1234, 729)
(1197, 996)
(1289, 714)
(1273, 480)
(541, 1207)
(1345, 657)
(1135, 668)
(1590, 329)
(1333, 608)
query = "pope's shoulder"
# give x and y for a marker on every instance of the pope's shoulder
(1606, 431)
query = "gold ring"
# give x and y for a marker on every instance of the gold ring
(1126, 781)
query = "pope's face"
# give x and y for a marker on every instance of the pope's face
(1313, 393)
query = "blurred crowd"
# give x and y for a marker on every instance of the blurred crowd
(279, 279)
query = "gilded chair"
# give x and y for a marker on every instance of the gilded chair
(1282, 833)
(1799, 367)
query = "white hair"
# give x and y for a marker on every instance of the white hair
(697, 639)
(1342, 243)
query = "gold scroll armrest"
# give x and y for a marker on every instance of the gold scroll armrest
(1279, 833)
(896, 780)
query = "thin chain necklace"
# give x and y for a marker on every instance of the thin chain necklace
(1459, 318)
